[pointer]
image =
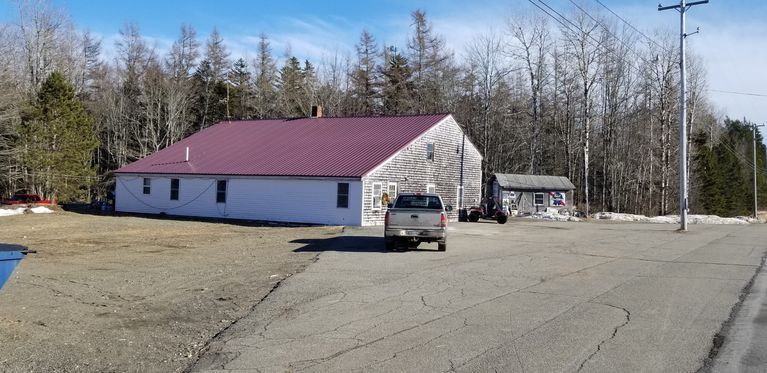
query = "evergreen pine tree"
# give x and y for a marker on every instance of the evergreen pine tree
(364, 78)
(398, 87)
(241, 93)
(57, 142)
(210, 82)
(266, 81)
(710, 177)
(292, 91)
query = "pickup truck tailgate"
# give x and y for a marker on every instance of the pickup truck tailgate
(415, 218)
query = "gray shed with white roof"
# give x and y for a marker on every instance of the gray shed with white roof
(532, 193)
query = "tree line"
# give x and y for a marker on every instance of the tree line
(589, 98)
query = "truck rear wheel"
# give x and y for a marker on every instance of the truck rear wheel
(390, 245)
(441, 246)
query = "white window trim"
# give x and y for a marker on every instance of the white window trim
(338, 194)
(178, 189)
(226, 190)
(543, 199)
(432, 151)
(431, 186)
(146, 183)
(376, 200)
(388, 191)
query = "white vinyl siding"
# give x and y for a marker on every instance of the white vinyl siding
(271, 199)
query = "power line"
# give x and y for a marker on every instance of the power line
(660, 46)
(738, 93)
(566, 19)
(740, 157)
(551, 15)
(651, 40)
(607, 30)
(598, 45)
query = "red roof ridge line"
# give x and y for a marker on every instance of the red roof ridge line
(284, 119)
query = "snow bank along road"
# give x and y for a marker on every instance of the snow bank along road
(527, 296)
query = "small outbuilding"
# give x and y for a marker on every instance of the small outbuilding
(531, 193)
(320, 170)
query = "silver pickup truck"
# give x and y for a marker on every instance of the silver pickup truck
(414, 218)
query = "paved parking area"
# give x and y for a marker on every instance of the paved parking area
(526, 296)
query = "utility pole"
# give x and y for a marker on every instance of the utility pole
(753, 136)
(683, 7)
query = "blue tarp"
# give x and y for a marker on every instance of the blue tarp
(10, 256)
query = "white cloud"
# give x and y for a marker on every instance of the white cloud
(309, 38)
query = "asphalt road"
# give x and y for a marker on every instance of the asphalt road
(521, 297)
(745, 343)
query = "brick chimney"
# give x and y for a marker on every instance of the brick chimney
(316, 111)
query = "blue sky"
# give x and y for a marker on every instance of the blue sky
(732, 39)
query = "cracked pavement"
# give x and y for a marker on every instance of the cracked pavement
(527, 296)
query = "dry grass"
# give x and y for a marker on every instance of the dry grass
(133, 294)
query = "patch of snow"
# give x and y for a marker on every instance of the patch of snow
(41, 210)
(672, 219)
(552, 215)
(10, 212)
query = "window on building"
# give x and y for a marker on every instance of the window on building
(221, 191)
(174, 189)
(392, 190)
(376, 197)
(430, 151)
(431, 188)
(459, 197)
(538, 199)
(342, 197)
(147, 185)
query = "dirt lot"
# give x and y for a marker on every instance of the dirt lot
(134, 294)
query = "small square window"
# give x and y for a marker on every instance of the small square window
(221, 191)
(174, 189)
(538, 199)
(430, 151)
(147, 185)
(431, 188)
(342, 196)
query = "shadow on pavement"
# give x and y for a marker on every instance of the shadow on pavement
(356, 244)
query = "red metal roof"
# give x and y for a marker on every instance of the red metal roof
(331, 147)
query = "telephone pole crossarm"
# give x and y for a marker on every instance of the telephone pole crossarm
(688, 5)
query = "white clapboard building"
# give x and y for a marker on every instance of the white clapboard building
(320, 170)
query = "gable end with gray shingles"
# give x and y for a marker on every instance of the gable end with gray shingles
(410, 169)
